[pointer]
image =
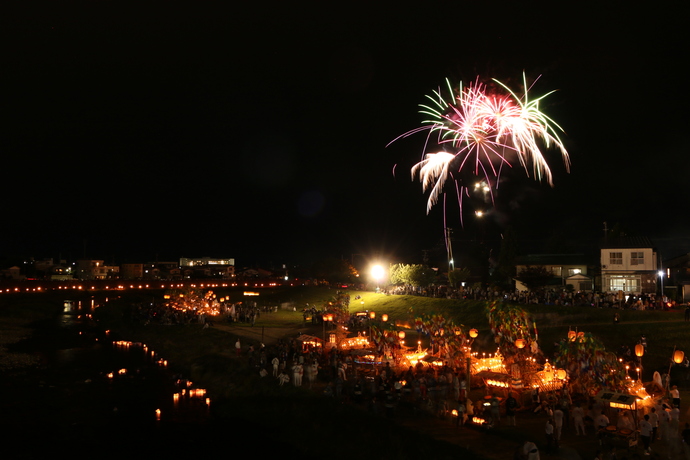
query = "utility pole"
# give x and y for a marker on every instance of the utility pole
(449, 248)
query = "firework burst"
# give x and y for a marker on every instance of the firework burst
(480, 131)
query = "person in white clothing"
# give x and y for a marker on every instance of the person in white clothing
(579, 420)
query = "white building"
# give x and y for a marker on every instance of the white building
(629, 265)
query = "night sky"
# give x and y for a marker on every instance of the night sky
(259, 132)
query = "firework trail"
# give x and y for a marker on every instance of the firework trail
(481, 130)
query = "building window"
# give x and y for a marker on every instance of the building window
(616, 258)
(637, 258)
(556, 271)
(624, 283)
(574, 271)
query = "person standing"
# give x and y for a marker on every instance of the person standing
(495, 409)
(275, 362)
(511, 408)
(238, 347)
(549, 432)
(654, 421)
(558, 422)
(579, 420)
(646, 433)
(602, 421)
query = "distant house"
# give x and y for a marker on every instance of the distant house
(131, 271)
(13, 273)
(208, 267)
(629, 265)
(567, 269)
(89, 269)
(162, 271)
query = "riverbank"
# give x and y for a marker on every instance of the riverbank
(247, 408)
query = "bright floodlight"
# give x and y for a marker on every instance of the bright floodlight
(377, 272)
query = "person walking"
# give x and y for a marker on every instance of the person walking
(675, 396)
(646, 433)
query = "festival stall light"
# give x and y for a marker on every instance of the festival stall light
(350, 343)
(478, 421)
(493, 363)
(550, 379)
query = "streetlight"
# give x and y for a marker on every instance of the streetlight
(661, 278)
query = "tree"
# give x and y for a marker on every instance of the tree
(458, 275)
(412, 275)
(421, 275)
(534, 277)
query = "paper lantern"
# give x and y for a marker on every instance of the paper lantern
(372, 314)
(520, 343)
(678, 356)
(572, 335)
(474, 333)
(384, 317)
(561, 374)
(401, 334)
(639, 350)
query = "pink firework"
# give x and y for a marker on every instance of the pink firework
(480, 131)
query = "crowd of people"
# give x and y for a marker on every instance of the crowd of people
(563, 297)
(441, 392)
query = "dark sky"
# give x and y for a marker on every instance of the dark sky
(259, 132)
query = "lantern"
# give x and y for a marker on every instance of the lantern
(572, 335)
(520, 343)
(561, 374)
(401, 334)
(678, 356)
(639, 350)
(474, 333)
(384, 317)
(372, 314)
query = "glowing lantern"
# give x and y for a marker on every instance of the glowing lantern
(678, 356)
(474, 333)
(401, 334)
(639, 350)
(520, 343)
(384, 317)
(372, 314)
(561, 374)
(572, 335)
